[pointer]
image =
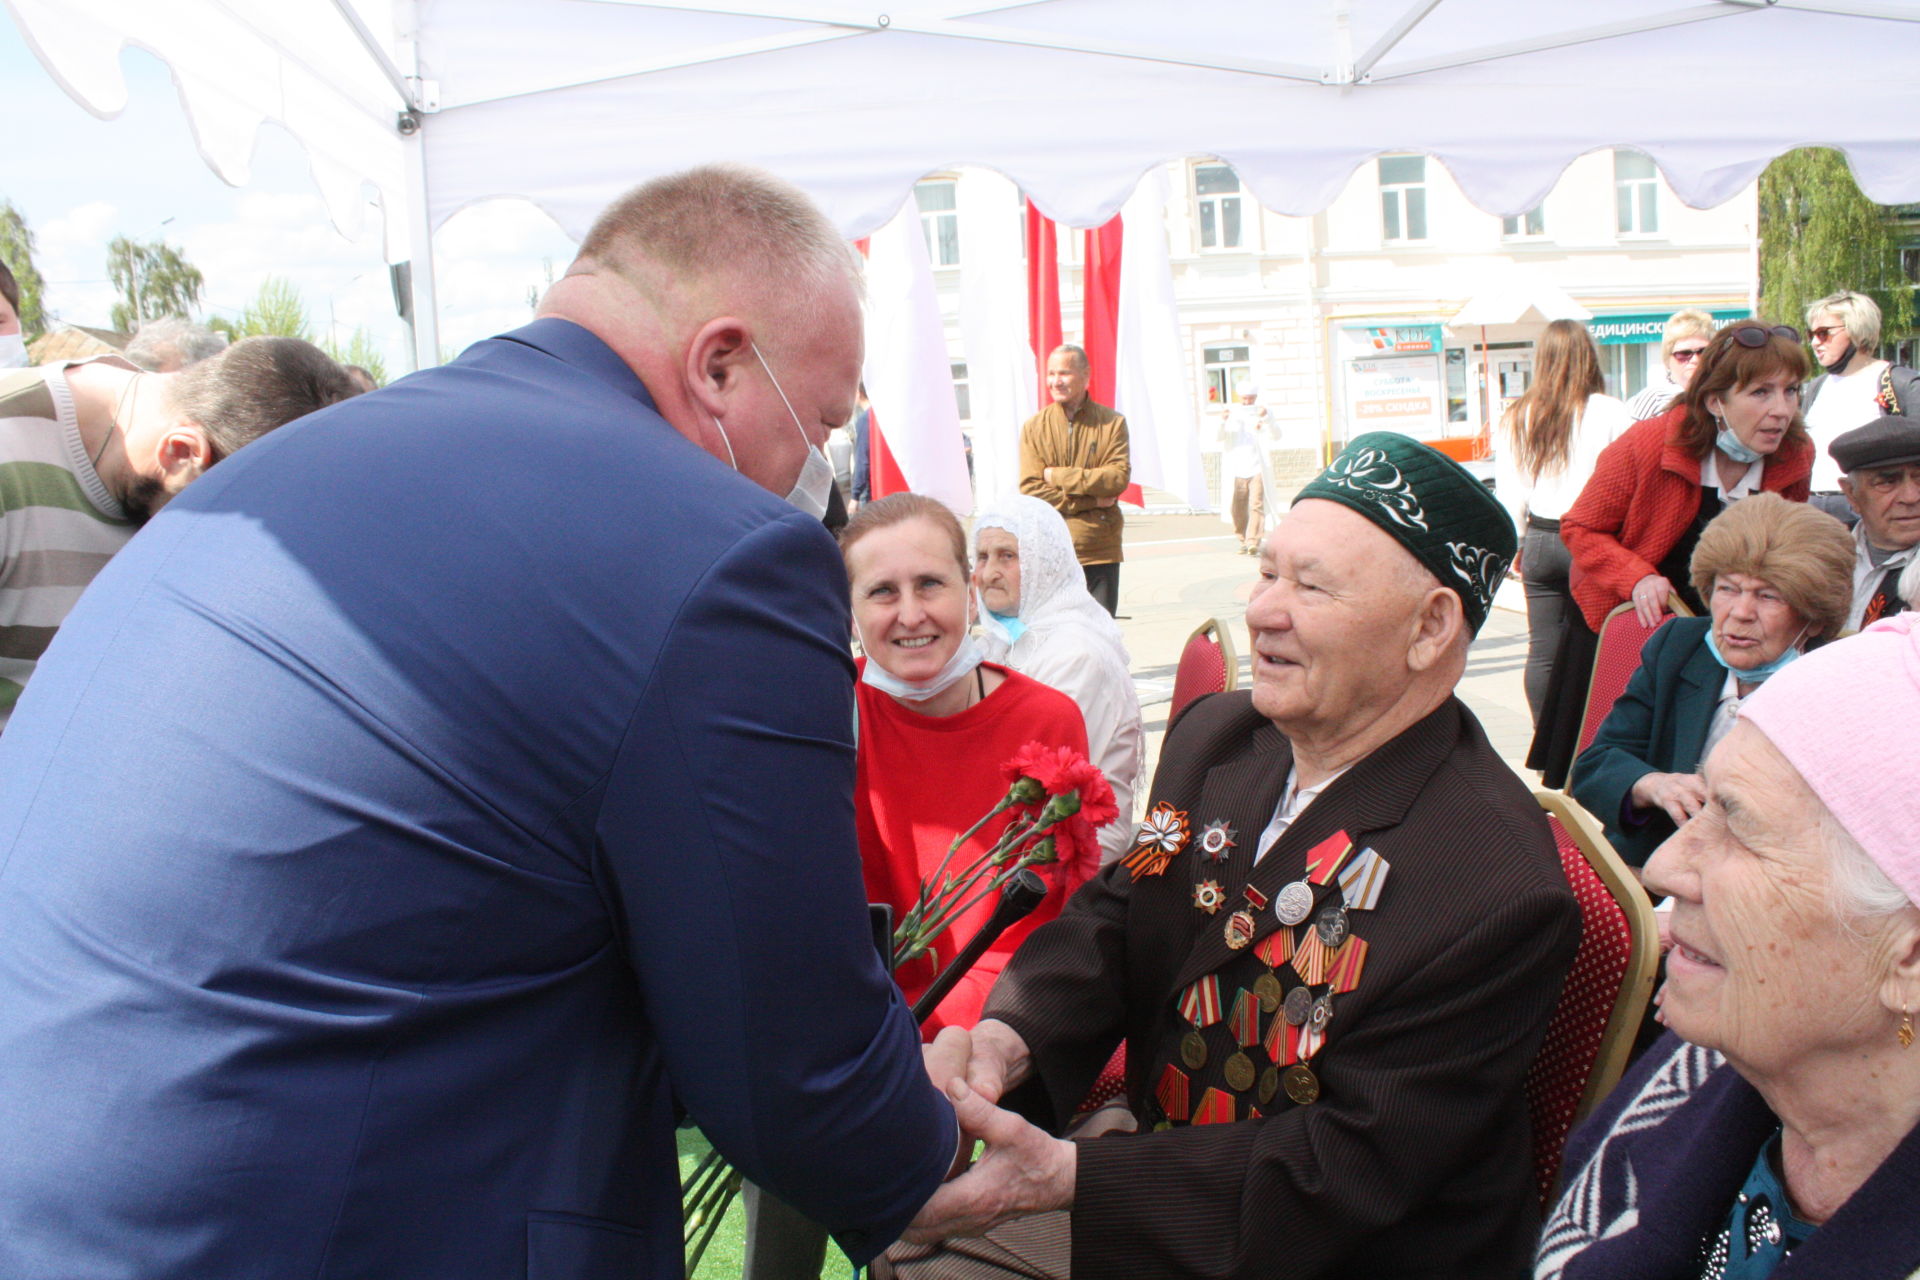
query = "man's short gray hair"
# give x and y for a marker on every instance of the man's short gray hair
(170, 343)
(255, 385)
(725, 225)
(1078, 352)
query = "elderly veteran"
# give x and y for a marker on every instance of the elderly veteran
(1331, 953)
(1776, 1135)
(1774, 576)
(1881, 481)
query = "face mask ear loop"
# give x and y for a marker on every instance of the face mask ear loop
(779, 391)
(724, 440)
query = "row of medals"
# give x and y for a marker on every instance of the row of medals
(1299, 1006)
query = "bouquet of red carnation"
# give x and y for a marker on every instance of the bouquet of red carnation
(1059, 801)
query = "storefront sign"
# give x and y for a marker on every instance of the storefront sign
(1646, 326)
(1398, 339)
(1396, 393)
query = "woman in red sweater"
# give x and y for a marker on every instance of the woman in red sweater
(936, 723)
(1735, 430)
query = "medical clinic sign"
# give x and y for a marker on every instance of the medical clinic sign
(1615, 331)
(1393, 379)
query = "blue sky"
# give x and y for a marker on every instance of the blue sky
(80, 181)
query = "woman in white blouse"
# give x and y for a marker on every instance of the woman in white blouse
(1549, 441)
(1037, 617)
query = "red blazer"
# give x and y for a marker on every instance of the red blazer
(1644, 492)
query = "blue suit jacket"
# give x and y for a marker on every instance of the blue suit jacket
(422, 805)
(1658, 726)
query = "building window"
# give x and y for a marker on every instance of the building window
(961, 400)
(1226, 366)
(940, 219)
(1636, 191)
(1403, 197)
(1531, 224)
(1216, 192)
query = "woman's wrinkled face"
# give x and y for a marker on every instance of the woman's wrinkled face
(1752, 623)
(996, 570)
(909, 598)
(1761, 968)
(1759, 411)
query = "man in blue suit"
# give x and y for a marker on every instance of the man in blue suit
(446, 791)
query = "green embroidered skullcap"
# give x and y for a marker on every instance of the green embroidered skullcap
(1432, 506)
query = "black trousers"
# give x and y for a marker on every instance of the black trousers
(1103, 583)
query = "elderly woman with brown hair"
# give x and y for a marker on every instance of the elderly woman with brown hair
(1777, 579)
(1777, 1135)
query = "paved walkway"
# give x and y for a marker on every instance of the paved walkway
(1182, 569)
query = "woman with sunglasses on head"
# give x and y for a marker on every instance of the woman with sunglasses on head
(1857, 387)
(1734, 431)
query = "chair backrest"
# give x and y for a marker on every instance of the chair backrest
(1605, 995)
(1208, 664)
(1616, 659)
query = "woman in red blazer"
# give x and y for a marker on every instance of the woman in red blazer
(1735, 430)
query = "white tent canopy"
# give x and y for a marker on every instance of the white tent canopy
(439, 104)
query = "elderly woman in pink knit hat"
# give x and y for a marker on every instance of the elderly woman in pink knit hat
(1774, 1129)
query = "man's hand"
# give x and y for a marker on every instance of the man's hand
(1650, 598)
(1681, 794)
(998, 1060)
(1023, 1171)
(1106, 502)
(1046, 474)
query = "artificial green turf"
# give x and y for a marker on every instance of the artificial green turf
(726, 1253)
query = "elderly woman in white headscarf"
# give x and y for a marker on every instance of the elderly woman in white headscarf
(1038, 619)
(1780, 1133)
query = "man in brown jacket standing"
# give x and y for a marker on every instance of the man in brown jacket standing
(1073, 456)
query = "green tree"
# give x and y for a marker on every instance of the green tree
(1819, 235)
(153, 280)
(16, 250)
(276, 311)
(360, 349)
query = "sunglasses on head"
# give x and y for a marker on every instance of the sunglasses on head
(1825, 331)
(1755, 336)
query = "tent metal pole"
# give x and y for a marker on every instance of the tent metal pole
(374, 50)
(426, 326)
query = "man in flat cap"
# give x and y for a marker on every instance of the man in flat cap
(1331, 953)
(1880, 465)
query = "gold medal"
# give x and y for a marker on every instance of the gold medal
(1239, 1072)
(1193, 1050)
(1269, 1084)
(1266, 988)
(1301, 1084)
(1239, 929)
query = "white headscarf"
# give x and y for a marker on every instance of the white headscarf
(1053, 587)
(1072, 644)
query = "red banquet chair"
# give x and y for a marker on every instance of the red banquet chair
(1598, 1015)
(1208, 664)
(1616, 659)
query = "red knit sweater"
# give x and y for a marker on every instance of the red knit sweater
(921, 781)
(1644, 493)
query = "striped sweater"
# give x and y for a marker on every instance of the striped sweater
(58, 523)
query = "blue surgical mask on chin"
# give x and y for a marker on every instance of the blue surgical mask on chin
(1005, 627)
(965, 658)
(813, 487)
(1759, 674)
(1729, 444)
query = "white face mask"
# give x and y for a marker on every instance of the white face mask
(965, 658)
(13, 351)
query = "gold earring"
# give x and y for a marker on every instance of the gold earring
(1906, 1027)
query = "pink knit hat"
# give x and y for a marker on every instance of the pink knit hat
(1845, 717)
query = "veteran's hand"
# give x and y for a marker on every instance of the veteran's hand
(1650, 598)
(998, 1062)
(1022, 1171)
(1681, 795)
(948, 1055)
